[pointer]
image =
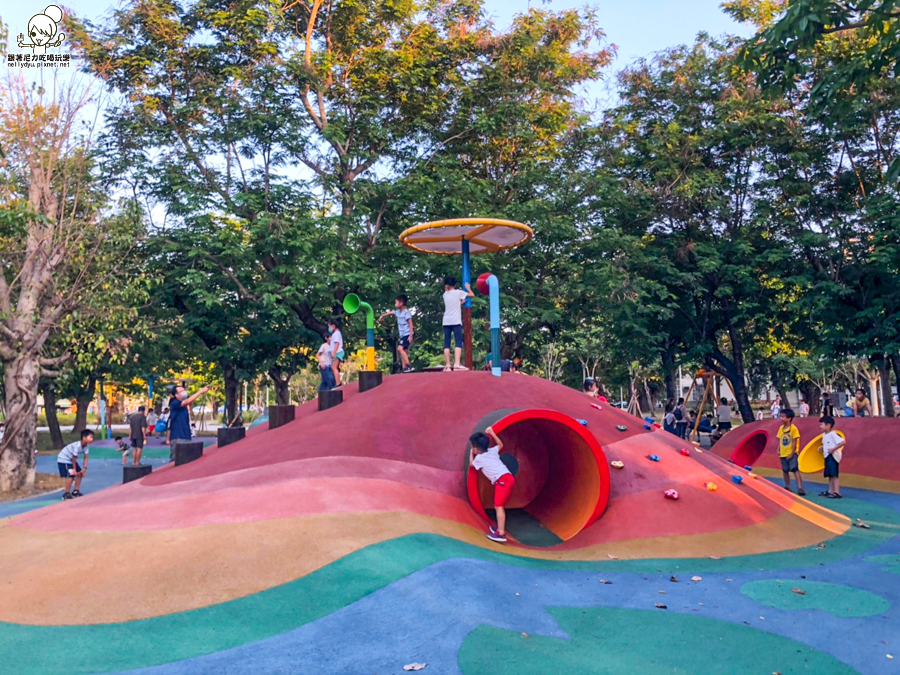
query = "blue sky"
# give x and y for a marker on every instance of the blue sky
(638, 28)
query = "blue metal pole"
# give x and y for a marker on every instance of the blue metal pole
(466, 268)
(494, 289)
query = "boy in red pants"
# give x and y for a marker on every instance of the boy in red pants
(486, 458)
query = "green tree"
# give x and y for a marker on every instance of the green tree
(688, 143)
(58, 249)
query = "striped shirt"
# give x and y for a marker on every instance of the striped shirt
(70, 453)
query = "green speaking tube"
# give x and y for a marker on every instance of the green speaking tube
(352, 304)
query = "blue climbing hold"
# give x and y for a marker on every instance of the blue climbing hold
(737, 479)
(748, 467)
(653, 458)
(582, 422)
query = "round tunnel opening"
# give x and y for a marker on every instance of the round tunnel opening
(749, 450)
(562, 485)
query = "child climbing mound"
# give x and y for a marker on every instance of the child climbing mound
(486, 458)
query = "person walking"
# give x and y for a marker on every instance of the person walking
(152, 419)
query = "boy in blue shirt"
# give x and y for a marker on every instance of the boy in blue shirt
(405, 326)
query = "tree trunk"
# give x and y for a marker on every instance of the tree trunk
(670, 372)
(887, 398)
(734, 370)
(49, 394)
(281, 380)
(812, 395)
(82, 401)
(231, 390)
(20, 439)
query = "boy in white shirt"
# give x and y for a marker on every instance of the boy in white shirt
(453, 302)
(324, 358)
(833, 449)
(486, 458)
(67, 462)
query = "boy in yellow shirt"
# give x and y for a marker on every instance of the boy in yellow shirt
(789, 449)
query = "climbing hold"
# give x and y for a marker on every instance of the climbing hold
(621, 427)
(648, 423)
(653, 458)
(712, 487)
(617, 464)
(748, 467)
(594, 405)
(737, 479)
(696, 578)
(685, 452)
(582, 422)
(671, 494)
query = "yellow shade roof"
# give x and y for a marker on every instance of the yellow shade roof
(485, 235)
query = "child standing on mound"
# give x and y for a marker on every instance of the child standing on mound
(833, 449)
(453, 302)
(486, 458)
(405, 326)
(337, 349)
(789, 449)
(324, 358)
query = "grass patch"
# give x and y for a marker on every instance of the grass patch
(43, 483)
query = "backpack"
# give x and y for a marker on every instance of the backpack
(679, 413)
(511, 463)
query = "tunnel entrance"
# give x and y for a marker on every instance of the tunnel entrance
(563, 481)
(750, 449)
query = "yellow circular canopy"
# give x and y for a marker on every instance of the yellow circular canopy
(485, 235)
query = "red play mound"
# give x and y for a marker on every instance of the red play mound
(403, 447)
(871, 457)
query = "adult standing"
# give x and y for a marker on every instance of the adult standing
(138, 424)
(723, 415)
(179, 417)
